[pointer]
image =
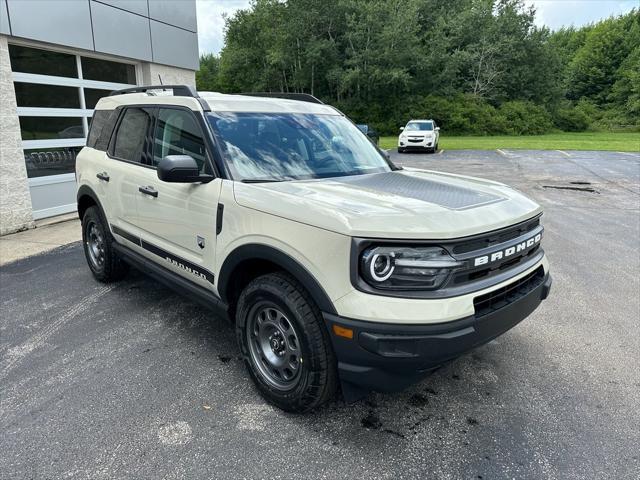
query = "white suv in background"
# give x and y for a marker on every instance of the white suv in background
(337, 268)
(419, 135)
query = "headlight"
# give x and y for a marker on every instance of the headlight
(406, 268)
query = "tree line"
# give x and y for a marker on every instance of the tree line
(475, 66)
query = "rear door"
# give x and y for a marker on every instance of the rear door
(177, 221)
(129, 154)
(94, 167)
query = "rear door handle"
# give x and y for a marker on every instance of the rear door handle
(103, 176)
(148, 190)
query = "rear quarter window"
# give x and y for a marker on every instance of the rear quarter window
(101, 129)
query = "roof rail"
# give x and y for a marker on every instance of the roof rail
(178, 91)
(301, 97)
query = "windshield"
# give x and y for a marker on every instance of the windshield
(419, 126)
(288, 146)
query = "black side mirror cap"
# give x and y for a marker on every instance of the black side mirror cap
(181, 169)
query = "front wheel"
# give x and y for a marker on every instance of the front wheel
(285, 344)
(400, 150)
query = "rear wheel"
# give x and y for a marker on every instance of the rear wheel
(284, 343)
(103, 261)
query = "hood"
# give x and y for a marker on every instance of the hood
(405, 204)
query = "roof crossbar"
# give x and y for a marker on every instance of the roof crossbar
(301, 97)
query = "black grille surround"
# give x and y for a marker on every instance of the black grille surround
(471, 276)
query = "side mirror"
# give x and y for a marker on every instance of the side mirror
(437, 128)
(180, 169)
(401, 128)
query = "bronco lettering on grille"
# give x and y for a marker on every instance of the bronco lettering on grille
(507, 252)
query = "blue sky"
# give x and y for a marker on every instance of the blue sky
(553, 13)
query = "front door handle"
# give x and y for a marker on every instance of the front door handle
(148, 190)
(103, 176)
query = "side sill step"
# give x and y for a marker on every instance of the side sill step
(174, 281)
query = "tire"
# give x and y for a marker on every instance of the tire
(279, 328)
(103, 261)
(400, 150)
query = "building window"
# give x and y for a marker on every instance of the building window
(46, 128)
(46, 96)
(105, 71)
(56, 94)
(92, 95)
(50, 161)
(42, 62)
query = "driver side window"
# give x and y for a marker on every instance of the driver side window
(177, 133)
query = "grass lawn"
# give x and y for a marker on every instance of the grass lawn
(621, 142)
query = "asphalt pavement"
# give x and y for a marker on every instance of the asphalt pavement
(132, 381)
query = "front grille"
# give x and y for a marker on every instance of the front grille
(490, 302)
(497, 237)
(465, 276)
(416, 140)
(484, 245)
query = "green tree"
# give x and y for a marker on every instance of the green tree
(208, 76)
(593, 70)
(477, 66)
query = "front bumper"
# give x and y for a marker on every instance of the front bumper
(390, 357)
(407, 144)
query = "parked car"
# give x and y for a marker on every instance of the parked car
(369, 132)
(337, 268)
(419, 135)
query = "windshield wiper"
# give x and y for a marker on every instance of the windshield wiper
(260, 180)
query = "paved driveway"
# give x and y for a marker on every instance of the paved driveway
(132, 381)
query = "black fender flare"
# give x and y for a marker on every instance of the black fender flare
(86, 191)
(257, 251)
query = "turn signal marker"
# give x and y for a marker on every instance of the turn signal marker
(343, 332)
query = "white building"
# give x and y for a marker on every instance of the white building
(57, 58)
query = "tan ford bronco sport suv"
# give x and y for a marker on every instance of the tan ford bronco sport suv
(338, 268)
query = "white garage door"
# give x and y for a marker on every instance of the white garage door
(56, 92)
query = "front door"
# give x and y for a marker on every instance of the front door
(177, 221)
